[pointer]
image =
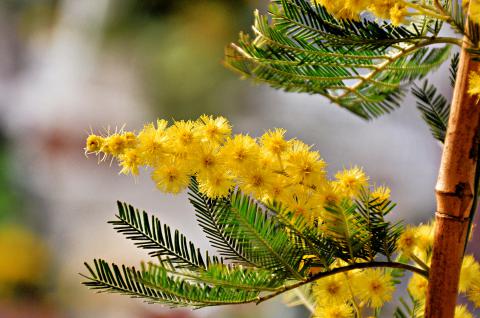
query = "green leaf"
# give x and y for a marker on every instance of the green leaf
(454, 68)
(125, 281)
(360, 65)
(211, 214)
(383, 235)
(221, 275)
(307, 21)
(158, 286)
(454, 9)
(315, 243)
(358, 230)
(434, 108)
(343, 225)
(460, 22)
(411, 309)
(148, 233)
(263, 237)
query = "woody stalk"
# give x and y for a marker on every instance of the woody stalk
(454, 192)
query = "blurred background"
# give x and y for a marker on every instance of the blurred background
(68, 66)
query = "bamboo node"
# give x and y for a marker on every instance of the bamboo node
(459, 219)
(462, 190)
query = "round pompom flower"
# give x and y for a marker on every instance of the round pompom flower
(462, 312)
(374, 287)
(417, 287)
(351, 181)
(335, 311)
(171, 178)
(470, 270)
(331, 290)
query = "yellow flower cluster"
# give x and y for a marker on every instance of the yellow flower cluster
(30, 259)
(393, 10)
(473, 7)
(269, 168)
(345, 294)
(417, 243)
(474, 83)
(342, 294)
(461, 311)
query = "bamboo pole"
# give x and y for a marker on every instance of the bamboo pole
(454, 193)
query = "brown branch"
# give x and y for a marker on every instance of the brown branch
(342, 270)
(454, 193)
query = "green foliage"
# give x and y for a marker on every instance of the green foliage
(411, 309)
(344, 226)
(148, 233)
(434, 109)
(362, 66)
(359, 229)
(155, 284)
(459, 21)
(244, 233)
(211, 218)
(314, 241)
(454, 68)
(267, 249)
(453, 8)
(382, 235)
(433, 106)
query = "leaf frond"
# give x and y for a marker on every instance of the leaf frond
(383, 235)
(158, 286)
(434, 108)
(220, 275)
(149, 233)
(361, 65)
(342, 224)
(211, 214)
(264, 238)
(315, 243)
(454, 68)
(413, 308)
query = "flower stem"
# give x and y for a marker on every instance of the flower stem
(419, 262)
(358, 309)
(428, 11)
(343, 269)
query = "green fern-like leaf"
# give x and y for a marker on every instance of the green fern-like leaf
(156, 285)
(434, 108)
(343, 225)
(315, 243)
(383, 235)
(258, 236)
(263, 237)
(284, 246)
(454, 68)
(221, 275)
(125, 281)
(148, 233)
(362, 66)
(454, 9)
(243, 233)
(460, 22)
(412, 308)
(211, 214)
(358, 230)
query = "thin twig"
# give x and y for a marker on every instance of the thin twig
(337, 270)
(419, 262)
